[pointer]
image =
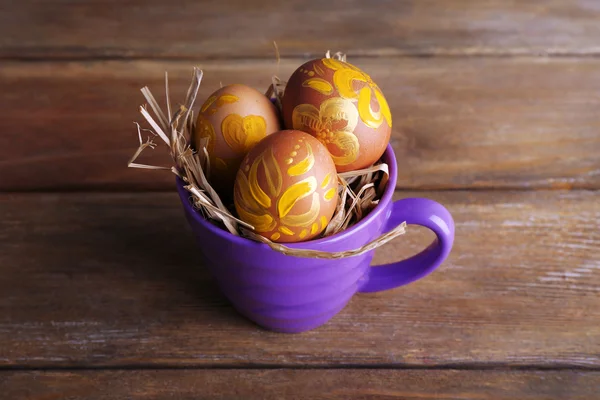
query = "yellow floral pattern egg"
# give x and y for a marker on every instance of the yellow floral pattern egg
(342, 107)
(233, 119)
(287, 187)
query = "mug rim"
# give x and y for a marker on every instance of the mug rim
(388, 157)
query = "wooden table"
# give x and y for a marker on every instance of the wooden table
(496, 110)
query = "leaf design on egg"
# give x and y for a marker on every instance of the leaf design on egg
(272, 174)
(218, 102)
(257, 193)
(324, 222)
(326, 181)
(226, 99)
(319, 70)
(306, 218)
(255, 190)
(294, 193)
(208, 103)
(286, 231)
(320, 85)
(305, 165)
(249, 208)
(204, 129)
(330, 194)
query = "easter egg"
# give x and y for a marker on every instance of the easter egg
(342, 107)
(287, 187)
(234, 119)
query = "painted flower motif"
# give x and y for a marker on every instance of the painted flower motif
(259, 204)
(333, 124)
(344, 77)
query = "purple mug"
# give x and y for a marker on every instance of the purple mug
(293, 294)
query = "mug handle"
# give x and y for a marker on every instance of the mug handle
(416, 211)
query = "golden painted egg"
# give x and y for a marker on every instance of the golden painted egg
(234, 119)
(287, 187)
(341, 106)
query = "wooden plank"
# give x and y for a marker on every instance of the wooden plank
(458, 123)
(193, 29)
(300, 384)
(115, 280)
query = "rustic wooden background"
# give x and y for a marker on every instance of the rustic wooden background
(496, 110)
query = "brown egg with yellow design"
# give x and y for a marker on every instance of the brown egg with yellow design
(287, 187)
(234, 119)
(340, 105)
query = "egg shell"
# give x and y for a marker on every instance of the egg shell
(341, 106)
(287, 187)
(234, 118)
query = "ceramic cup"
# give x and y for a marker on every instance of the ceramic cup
(292, 294)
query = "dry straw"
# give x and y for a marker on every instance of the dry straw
(359, 191)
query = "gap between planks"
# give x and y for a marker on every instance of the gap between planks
(474, 189)
(443, 53)
(384, 367)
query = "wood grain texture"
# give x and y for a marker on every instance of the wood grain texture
(114, 280)
(300, 384)
(458, 123)
(209, 29)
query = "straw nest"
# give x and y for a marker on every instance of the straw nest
(359, 191)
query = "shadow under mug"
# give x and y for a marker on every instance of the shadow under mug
(292, 294)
